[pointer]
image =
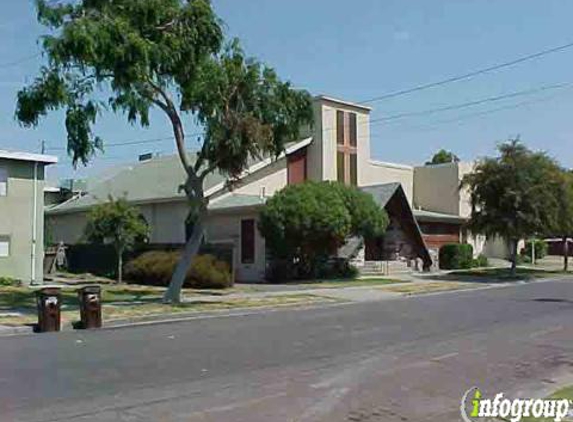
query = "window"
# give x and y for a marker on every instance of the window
(4, 246)
(353, 170)
(247, 241)
(353, 130)
(340, 167)
(3, 181)
(340, 127)
(346, 140)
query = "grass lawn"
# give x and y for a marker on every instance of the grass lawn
(18, 305)
(503, 274)
(429, 287)
(358, 282)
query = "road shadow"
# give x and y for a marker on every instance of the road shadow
(553, 300)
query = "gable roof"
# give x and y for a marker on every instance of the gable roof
(155, 180)
(391, 196)
(382, 193)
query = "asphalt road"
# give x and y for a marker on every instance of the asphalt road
(394, 360)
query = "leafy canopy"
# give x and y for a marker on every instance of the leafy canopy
(442, 157)
(315, 218)
(131, 55)
(116, 222)
(513, 195)
(564, 223)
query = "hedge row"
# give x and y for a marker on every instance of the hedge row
(155, 269)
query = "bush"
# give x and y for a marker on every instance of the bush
(305, 224)
(280, 270)
(7, 281)
(541, 249)
(456, 256)
(155, 269)
(481, 261)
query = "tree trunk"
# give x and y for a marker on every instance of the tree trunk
(194, 190)
(565, 253)
(120, 267)
(173, 293)
(513, 270)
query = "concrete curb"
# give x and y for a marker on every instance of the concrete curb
(181, 317)
(241, 312)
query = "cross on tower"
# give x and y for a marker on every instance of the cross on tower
(346, 148)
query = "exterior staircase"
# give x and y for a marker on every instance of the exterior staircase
(353, 250)
(385, 268)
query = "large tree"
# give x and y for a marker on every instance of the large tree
(513, 195)
(131, 56)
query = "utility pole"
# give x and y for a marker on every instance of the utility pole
(43, 147)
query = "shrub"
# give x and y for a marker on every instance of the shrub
(456, 256)
(155, 269)
(281, 270)
(305, 224)
(7, 281)
(541, 249)
(481, 261)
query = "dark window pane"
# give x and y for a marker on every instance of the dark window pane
(353, 129)
(353, 170)
(248, 241)
(340, 169)
(340, 127)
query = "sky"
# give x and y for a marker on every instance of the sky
(357, 51)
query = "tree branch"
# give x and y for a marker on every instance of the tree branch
(169, 108)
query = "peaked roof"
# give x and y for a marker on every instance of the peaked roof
(382, 193)
(391, 196)
(154, 180)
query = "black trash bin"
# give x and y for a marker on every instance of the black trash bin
(90, 307)
(48, 302)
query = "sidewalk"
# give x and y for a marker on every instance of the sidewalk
(248, 298)
(203, 305)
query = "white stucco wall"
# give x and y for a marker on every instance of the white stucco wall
(67, 228)
(166, 221)
(226, 228)
(314, 150)
(465, 204)
(270, 179)
(328, 143)
(436, 188)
